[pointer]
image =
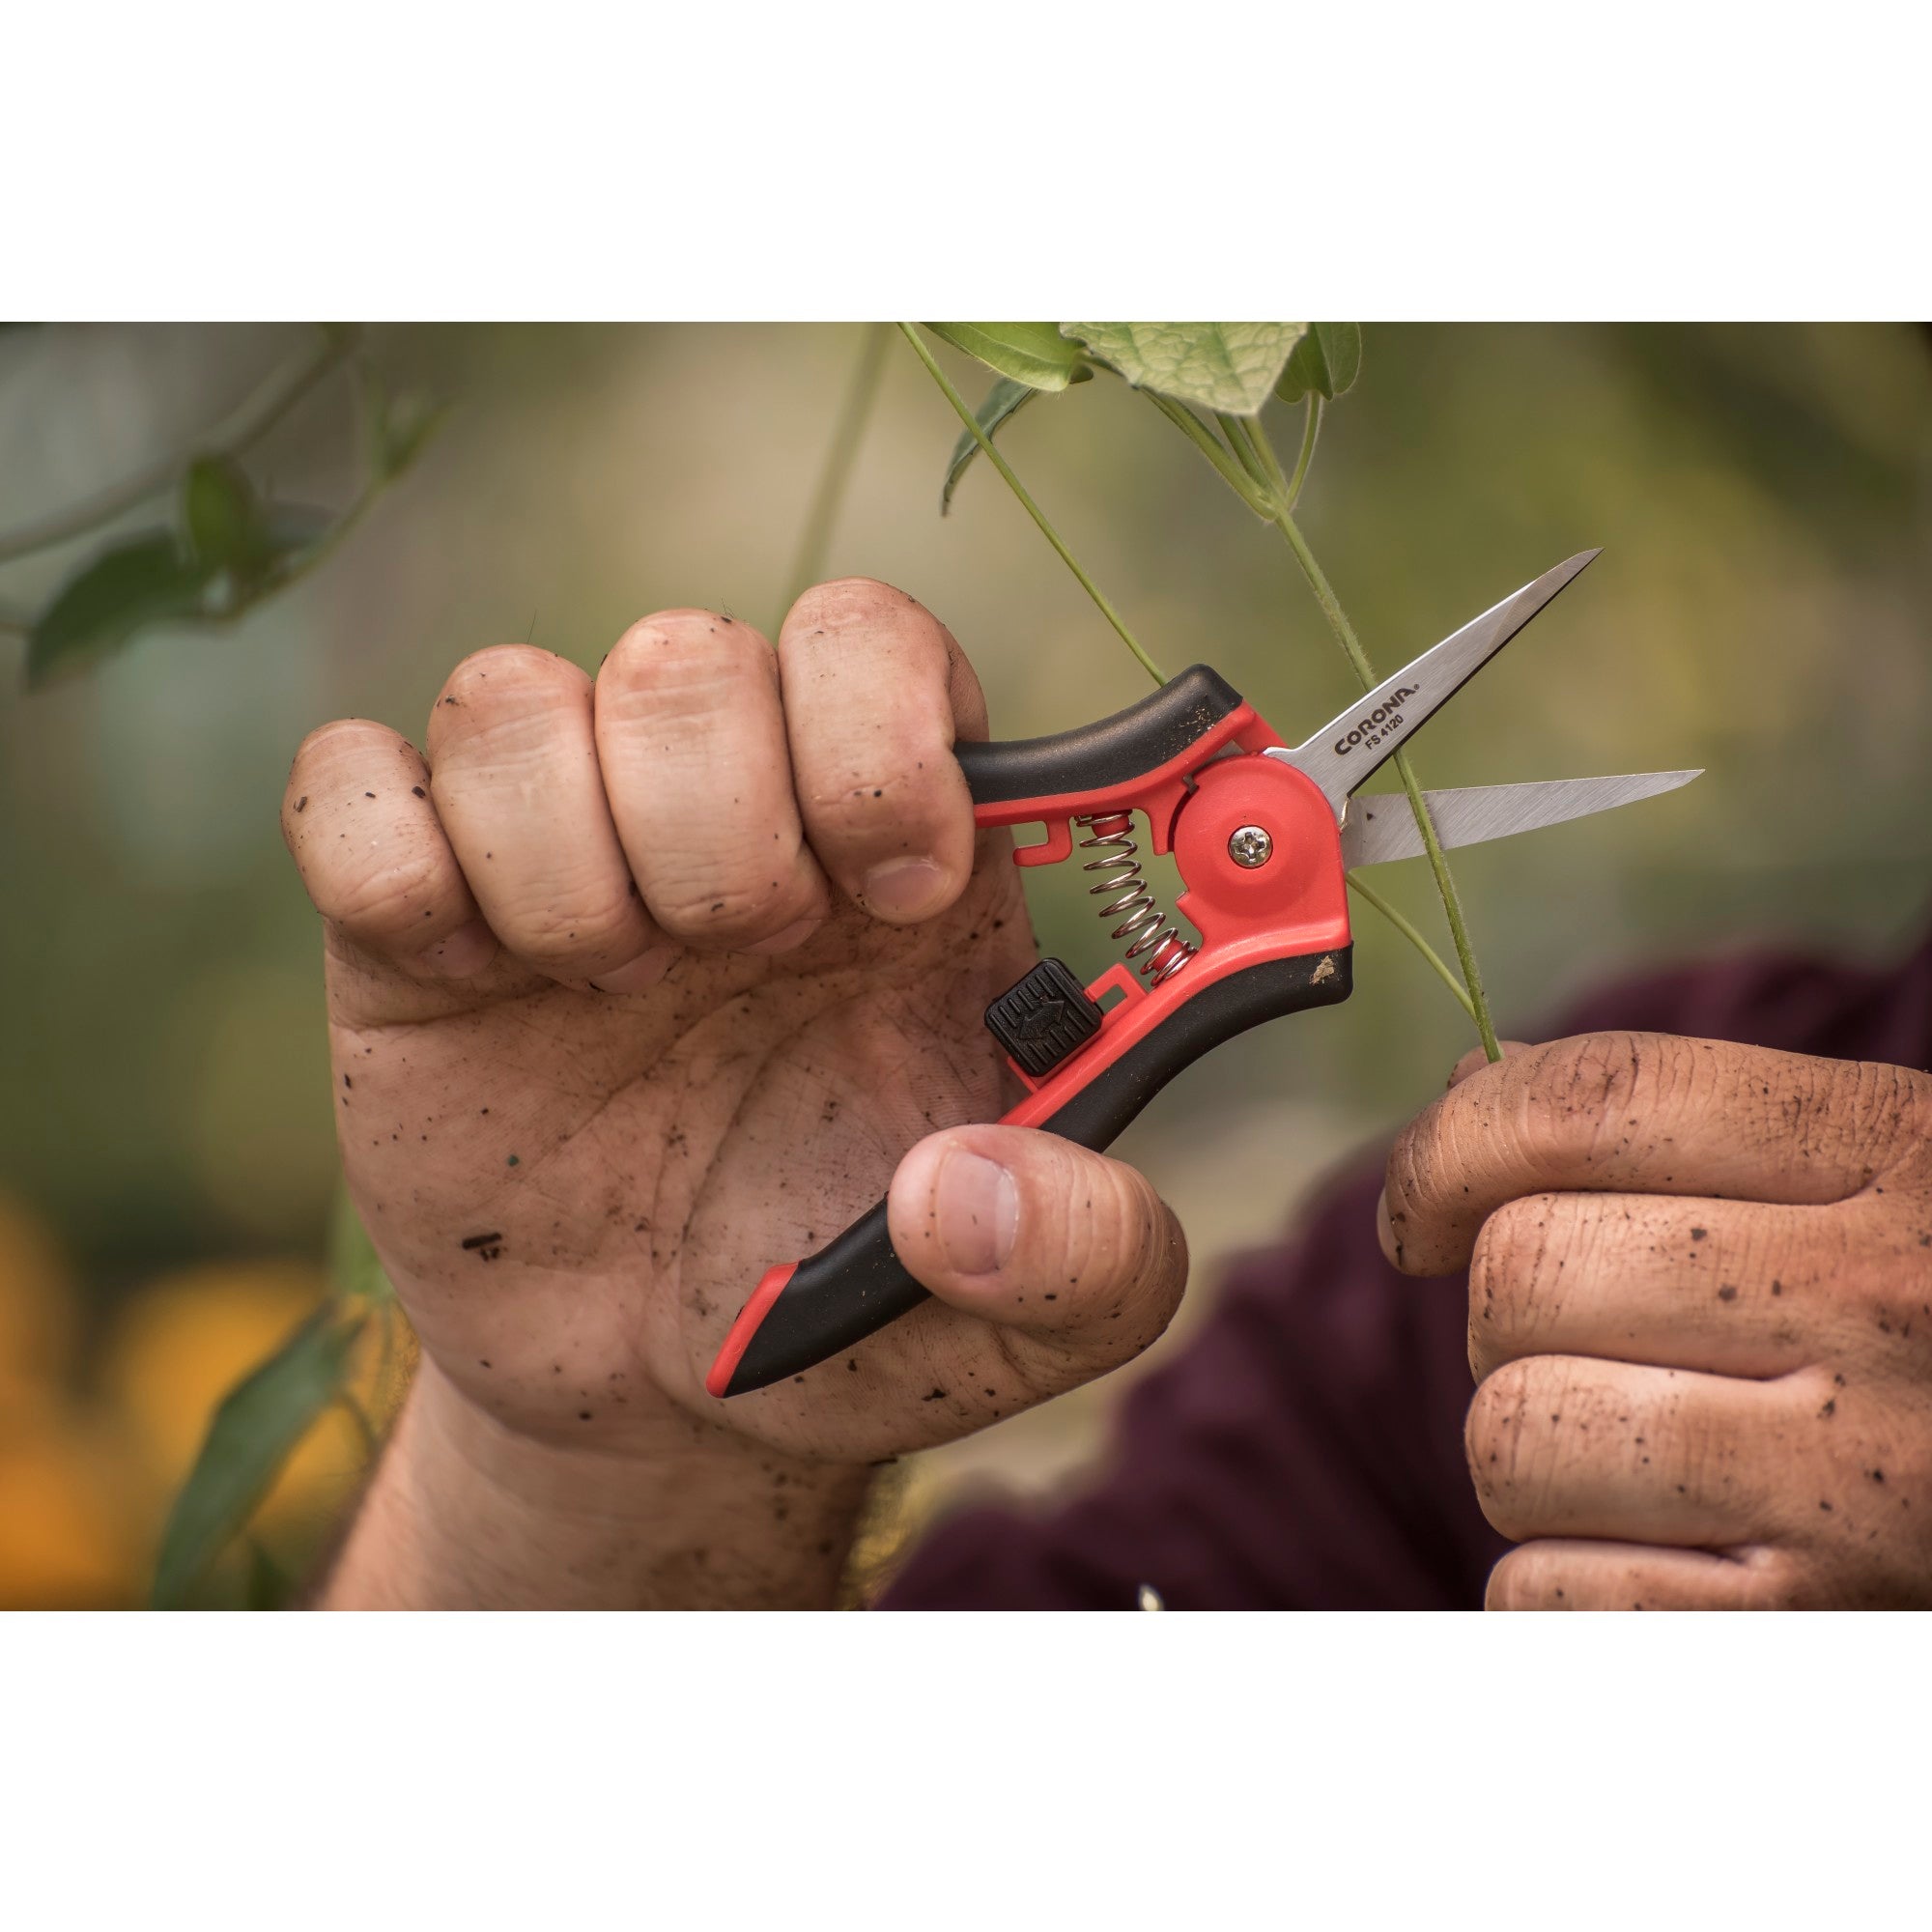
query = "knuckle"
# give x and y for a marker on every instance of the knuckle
(1520, 1255)
(1124, 1254)
(386, 898)
(1411, 1176)
(1878, 1113)
(1118, 1232)
(512, 674)
(727, 912)
(1424, 1181)
(327, 744)
(849, 603)
(681, 664)
(343, 750)
(586, 927)
(1160, 1251)
(1526, 1579)
(1489, 1414)
(1501, 1444)
(1509, 1246)
(1034, 1368)
(1853, 1253)
(871, 802)
(1776, 1577)
(1591, 1068)
(1574, 1093)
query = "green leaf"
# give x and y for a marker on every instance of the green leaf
(293, 528)
(1036, 354)
(146, 580)
(1003, 400)
(222, 517)
(1227, 366)
(259, 1423)
(1327, 359)
(354, 1271)
(269, 1586)
(409, 421)
(395, 427)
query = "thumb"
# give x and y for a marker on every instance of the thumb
(1032, 1232)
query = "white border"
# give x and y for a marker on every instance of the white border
(925, 1773)
(842, 160)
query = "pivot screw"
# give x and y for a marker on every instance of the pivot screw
(1250, 846)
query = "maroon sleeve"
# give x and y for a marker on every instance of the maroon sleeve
(1305, 1450)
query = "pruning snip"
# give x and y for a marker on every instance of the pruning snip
(1261, 833)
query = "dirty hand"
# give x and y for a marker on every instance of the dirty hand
(1700, 1316)
(637, 985)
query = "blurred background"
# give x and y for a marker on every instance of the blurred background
(1764, 496)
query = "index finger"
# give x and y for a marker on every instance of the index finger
(1641, 1113)
(875, 694)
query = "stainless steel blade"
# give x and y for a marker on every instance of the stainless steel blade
(1347, 750)
(1383, 828)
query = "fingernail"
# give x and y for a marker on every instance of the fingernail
(795, 934)
(905, 889)
(641, 975)
(462, 954)
(976, 1210)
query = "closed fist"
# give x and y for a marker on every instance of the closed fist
(640, 984)
(1701, 1318)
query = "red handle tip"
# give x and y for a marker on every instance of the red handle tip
(771, 1285)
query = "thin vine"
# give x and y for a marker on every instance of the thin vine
(1438, 864)
(814, 541)
(1032, 509)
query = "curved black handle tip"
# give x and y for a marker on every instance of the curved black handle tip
(827, 1302)
(1110, 753)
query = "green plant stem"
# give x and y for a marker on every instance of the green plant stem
(1311, 428)
(1247, 453)
(1278, 484)
(359, 1416)
(1202, 439)
(1032, 509)
(306, 562)
(814, 541)
(1446, 884)
(1357, 884)
(1251, 471)
(242, 427)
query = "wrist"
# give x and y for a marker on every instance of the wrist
(465, 1513)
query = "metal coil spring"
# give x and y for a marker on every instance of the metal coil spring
(1129, 900)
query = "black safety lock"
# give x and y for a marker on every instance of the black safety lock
(1043, 1018)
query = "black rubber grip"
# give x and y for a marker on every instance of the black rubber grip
(855, 1286)
(1114, 752)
